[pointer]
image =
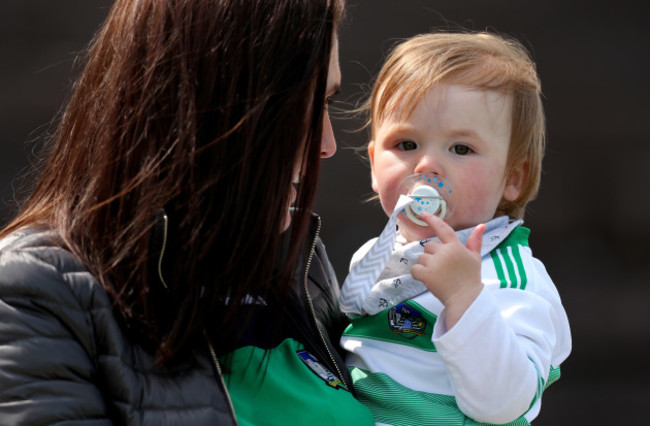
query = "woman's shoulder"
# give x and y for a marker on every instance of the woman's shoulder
(31, 244)
(33, 264)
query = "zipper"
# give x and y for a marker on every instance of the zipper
(312, 250)
(217, 366)
(213, 353)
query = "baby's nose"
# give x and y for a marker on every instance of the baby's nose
(429, 164)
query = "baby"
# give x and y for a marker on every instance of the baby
(453, 319)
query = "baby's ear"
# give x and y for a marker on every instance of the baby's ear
(516, 182)
(371, 159)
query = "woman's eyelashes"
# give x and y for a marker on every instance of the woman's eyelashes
(329, 100)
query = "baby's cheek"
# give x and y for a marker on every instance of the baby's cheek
(387, 197)
(388, 204)
(479, 209)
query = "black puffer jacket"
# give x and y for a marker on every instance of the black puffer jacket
(65, 360)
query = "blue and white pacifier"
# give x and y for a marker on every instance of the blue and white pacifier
(429, 193)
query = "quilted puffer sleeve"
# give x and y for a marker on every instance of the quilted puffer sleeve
(47, 368)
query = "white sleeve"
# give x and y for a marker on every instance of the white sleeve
(500, 353)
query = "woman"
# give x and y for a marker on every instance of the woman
(155, 274)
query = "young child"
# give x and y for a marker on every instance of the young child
(460, 324)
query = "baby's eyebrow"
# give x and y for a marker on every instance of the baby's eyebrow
(468, 133)
(400, 130)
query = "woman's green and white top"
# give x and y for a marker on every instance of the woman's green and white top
(491, 367)
(287, 385)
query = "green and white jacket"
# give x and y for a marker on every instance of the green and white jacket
(490, 368)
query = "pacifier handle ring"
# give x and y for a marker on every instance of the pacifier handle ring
(411, 215)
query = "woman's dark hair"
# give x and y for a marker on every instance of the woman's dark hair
(200, 108)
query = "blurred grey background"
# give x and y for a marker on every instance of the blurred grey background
(589, 221)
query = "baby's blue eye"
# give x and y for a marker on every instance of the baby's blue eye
(461, 149)
(407, 145)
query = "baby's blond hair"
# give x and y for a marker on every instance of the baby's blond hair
(480, 60)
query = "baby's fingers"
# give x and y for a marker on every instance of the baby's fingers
(443, 231)
(475, 239)
(419, 270)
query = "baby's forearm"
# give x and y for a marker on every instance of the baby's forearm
(494, 379)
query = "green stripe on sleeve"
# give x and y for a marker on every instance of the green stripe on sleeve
(520, 267)
(510, 267)
(499, 269)
(507, 259)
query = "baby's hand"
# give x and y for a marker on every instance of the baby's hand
(449, 269)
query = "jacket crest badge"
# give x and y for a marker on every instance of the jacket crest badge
(406, 321)
(320, 370)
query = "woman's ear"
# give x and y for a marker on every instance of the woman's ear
(371, 159)
(516, 181)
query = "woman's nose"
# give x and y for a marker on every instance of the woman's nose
(328, 142)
